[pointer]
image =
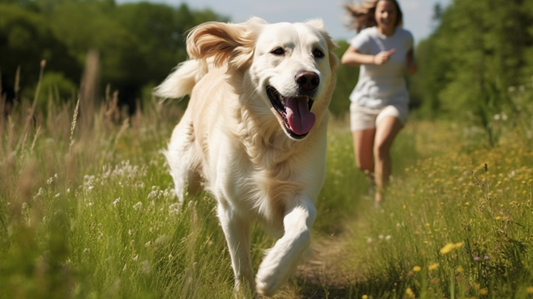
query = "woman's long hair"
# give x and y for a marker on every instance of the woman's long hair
(363, 14)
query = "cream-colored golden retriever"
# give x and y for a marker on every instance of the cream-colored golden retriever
(254, 134)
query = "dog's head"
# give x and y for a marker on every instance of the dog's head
(289, 66)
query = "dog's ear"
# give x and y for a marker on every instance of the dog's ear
(332, 46)
(225, 42)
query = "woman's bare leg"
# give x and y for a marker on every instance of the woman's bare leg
(363, 142)
(386, 131)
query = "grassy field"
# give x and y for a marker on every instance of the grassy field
(87, 211)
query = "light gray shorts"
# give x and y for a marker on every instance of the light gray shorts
(363, 118)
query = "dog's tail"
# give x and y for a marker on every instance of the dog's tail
(182, 80)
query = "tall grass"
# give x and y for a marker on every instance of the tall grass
(87, 211)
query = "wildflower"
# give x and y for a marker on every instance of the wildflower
(447, 248)
(145, 265)
(388, 237)
(460, 269)
(496, 248)
(450, 247)
(174, 208)
(138, 205)
(410, 293)
(433, 266)
(477, 258)
(530, 290)
(364, 297)
(483, 292)
(115, 203)
(417, 268)
(486, 257)
(498, 218)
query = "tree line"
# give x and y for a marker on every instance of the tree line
(478, 51)
(138, 44)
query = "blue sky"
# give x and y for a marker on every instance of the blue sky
(417, 13)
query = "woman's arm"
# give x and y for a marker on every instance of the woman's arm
(411, 64)
(352, 57)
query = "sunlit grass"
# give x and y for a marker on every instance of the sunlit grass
(87, 211)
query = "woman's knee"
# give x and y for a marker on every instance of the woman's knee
(382, 150)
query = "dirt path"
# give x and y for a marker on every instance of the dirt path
(325, 269)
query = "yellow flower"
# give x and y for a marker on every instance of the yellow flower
(410, 293)
(483, 292)
(417, 268)
(450, 247)
(530, 290)
(364, 297)
(460, 269)
(433, 266)
(498, 218)
(447, 248)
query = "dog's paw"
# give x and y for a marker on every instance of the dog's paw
(268, 281)
(265, 286)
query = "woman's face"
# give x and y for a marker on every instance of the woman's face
(386, 16)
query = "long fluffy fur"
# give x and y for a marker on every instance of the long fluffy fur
(230, 139)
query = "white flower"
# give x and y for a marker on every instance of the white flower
(174, 208)
(115, 203)
(138, 205)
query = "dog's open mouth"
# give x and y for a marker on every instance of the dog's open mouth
(294, 112)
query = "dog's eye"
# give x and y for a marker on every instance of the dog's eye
(318, 54)
(278, 51)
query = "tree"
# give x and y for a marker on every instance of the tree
(346, 79)
(25, 40)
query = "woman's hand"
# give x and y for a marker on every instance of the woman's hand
(383, 57)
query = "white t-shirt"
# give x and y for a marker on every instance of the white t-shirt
(382, 85)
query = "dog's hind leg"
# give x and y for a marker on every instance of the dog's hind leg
(181, 159)
(237, 232)
(282, 259)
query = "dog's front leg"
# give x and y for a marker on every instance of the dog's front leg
(281, 260)
(237, 232)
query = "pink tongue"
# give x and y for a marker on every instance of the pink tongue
(301, 120)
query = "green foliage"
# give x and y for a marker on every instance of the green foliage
(25, 39)
(138, 43)
(478, 51)
(346, 80)
(89, 212)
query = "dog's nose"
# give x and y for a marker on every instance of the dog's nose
(307, 81)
